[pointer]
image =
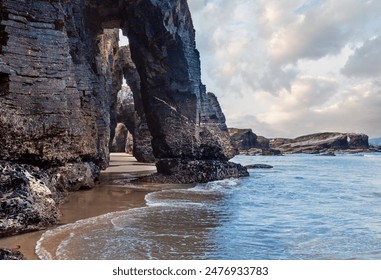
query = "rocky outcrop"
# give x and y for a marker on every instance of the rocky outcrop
(185, 122)
(55, 100)
(27, 199)
(74, 176)
(249, 143)
(120, 139)
(357, 141)
(245, 139)
(323, 143)
(259, 166)
(11, 254)
(182, 118)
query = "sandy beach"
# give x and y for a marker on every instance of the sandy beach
(111, 194)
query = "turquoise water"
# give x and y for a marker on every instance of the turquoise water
(306, 207)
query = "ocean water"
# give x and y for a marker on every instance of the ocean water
(306, 207)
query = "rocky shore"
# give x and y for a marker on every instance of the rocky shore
(113, 193)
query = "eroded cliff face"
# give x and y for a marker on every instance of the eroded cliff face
(58, 88)
(55, 99)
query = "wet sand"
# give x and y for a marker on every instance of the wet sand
(113, 193)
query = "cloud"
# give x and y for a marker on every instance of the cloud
(366, 61)
(292, 67)
(316, 32)
(352, 109)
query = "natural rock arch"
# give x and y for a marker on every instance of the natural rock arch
(58, 90)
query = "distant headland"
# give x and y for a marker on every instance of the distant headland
(327, 143)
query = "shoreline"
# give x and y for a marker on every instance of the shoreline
(111, 194)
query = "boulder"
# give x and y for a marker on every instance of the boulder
(119, 144)
(74, 176)
(27, 199)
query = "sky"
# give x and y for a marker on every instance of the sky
(293, 67)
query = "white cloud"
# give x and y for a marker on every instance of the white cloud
(293, 67)
(319, 31)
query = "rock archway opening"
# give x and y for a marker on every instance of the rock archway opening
(131, 131)
(67, 63)
(180, 123)
(123, 40)
(122, 141)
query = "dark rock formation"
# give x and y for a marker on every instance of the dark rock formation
(26, 199)
(259, 166)
(263, 142)
(120, 139)
(249, 143)
(328, 154)
(358, 141)
(11, 254)
(183, 109)
(55, 100)
(271, 152)
(122, 142)
(74, 176)
(323, 143)
(245, 139)
(59, 78)
(183, 120)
